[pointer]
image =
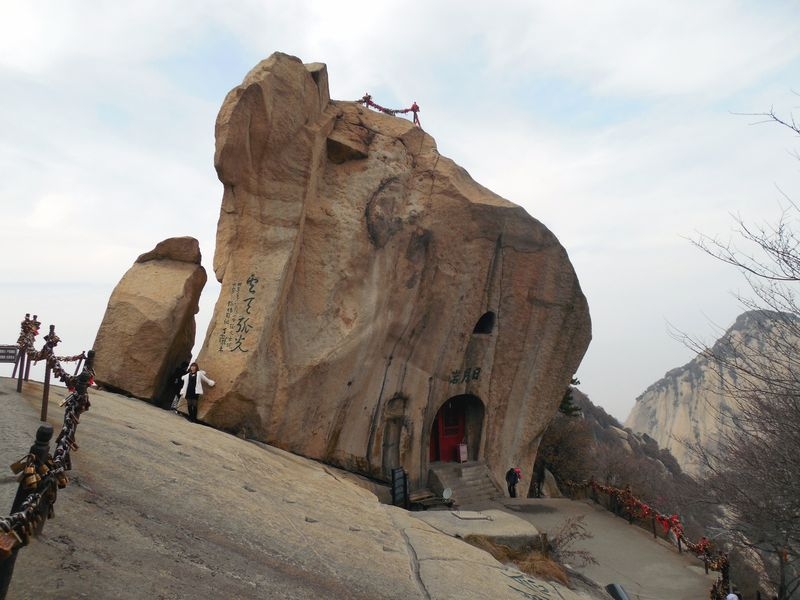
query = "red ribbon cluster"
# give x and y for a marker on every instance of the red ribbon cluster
(702, 548)
(641, 510)
(414, 108)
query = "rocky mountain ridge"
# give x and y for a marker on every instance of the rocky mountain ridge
(687, 403)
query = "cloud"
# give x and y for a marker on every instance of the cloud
(648, 48)
(610, 122)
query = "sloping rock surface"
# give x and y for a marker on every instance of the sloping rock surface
(161, 508)
(366, 280)
(148, 328)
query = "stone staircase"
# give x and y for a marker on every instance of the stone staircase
(470, 482)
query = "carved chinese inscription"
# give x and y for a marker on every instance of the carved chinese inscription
(468, 374)
(236, 324)
(529, 588)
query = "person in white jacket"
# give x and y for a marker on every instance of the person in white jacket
(193, 388)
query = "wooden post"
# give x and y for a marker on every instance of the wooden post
(48, 366)
(16, 364)
(21, 350)
(28, 369)
(46, 391)
(28, 366)
(22, 357)
(78, 366)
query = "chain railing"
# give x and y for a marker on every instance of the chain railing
(41, 474)
(414, 108)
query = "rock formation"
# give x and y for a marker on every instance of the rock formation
(686, 404)
(367, 281)
(148, 328)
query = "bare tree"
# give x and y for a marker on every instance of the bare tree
(567, 449)
(753, 464)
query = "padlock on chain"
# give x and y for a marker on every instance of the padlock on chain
(30, 478)
(8, 542)
(18, 466)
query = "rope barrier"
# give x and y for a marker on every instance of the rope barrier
(414, 108)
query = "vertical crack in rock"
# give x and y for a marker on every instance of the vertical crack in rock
(413, 560)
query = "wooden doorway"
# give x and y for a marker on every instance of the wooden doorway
(449, 429)
(459, 421)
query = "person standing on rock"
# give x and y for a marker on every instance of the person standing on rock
(513, 475)
(193, 388)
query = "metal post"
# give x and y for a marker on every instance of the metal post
(41, 452)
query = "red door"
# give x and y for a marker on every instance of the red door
(448, 431)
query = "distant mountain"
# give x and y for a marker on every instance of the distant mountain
(685, 405)
(594, 445)
(611, 436)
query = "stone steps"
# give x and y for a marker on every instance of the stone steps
(470, 483)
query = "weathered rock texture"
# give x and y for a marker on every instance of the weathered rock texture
(356, 263)
(148, 328)
(690, 402)
(160, 508)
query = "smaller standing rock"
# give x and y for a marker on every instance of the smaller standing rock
(149, 328)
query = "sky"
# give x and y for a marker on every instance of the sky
(627, 127)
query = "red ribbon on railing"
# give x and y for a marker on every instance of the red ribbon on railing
(639, 509)
(414, 108)
(703, 548)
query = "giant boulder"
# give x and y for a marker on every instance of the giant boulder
(148, 328)
(367, 281)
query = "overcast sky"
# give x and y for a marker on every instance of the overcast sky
(617, 124)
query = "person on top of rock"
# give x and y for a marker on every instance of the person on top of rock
(193, 388)
(513, 475)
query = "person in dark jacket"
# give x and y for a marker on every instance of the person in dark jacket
(177, 384)
(513, 475)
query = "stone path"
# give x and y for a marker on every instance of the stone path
(648, 569)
